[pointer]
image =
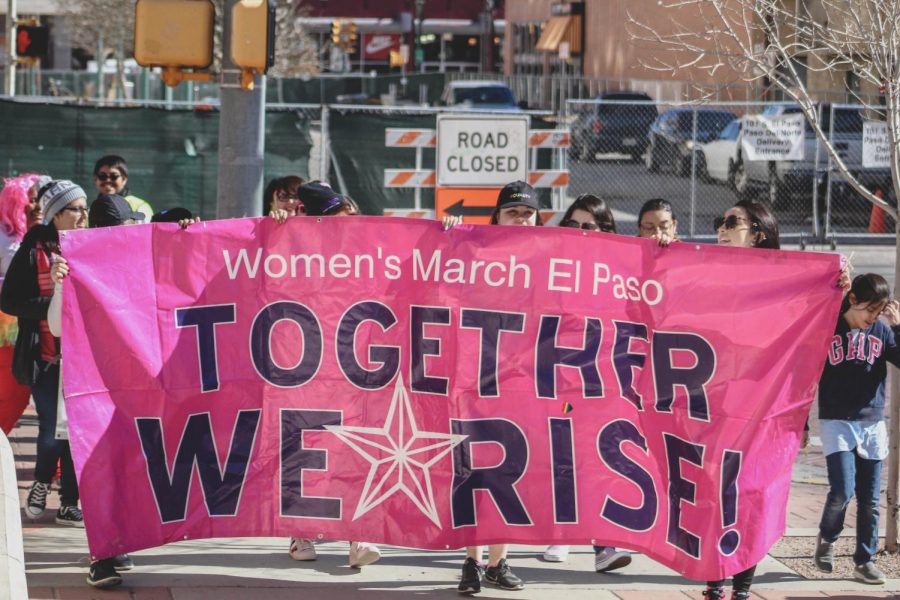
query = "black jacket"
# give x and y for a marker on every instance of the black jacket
(21, 297)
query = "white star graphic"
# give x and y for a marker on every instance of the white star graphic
(397, 454)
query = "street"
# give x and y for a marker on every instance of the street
(627, 185)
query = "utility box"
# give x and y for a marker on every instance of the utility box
(174, 33)
(253, 35)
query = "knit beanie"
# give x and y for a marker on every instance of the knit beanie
(58, 196)
(42, 180)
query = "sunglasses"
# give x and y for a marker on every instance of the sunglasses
(108, 176)
(589, 226)
(730, 222)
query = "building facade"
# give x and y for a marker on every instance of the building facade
(601, 40)
(449, 34)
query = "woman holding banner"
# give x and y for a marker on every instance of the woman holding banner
(656, 220)
(591, 213)
(747, 224)
(517, 204)
(108, 210)
(319, 200)
(281, 194)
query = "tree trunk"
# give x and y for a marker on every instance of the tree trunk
(893, 486)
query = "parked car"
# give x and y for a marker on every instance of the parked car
(780, 181)
(717, 158)
(618, 122)
(672, 141)
(480, 95)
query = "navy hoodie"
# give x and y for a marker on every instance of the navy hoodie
(852, 385)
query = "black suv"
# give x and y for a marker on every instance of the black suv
(618, 122)
(672, 139)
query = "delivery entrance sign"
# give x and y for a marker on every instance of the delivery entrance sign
(479, 151)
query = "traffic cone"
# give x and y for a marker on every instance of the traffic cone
(878, 218)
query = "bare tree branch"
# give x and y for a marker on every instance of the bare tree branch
(761, 40)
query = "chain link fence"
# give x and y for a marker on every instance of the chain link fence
(629, 151)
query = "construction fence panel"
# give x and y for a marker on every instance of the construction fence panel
(695, 156)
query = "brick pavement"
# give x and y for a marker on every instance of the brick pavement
(56, 560)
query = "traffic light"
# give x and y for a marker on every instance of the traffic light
(337, 27)
(253, 35)
(352, 37)
(174, 33)
(32, 41)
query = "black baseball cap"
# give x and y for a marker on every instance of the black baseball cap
(319, 199)
(112, 209)
(518, 193)
(171, 215)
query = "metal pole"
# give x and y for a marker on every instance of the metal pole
(815, 182)
(324, 142)
(417, 32)
(830, 166)
(417, 195)
(241, 136)
(11, 18)
(100, 64)
(693, 172)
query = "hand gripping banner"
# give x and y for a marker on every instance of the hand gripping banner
(384, 380)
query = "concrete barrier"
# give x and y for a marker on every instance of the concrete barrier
(12, 552)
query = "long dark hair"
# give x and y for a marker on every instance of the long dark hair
(597, 207)
(655, 204)
(288, 184)
(867, 288)
(763, 223)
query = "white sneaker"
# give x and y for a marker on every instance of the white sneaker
(556, 554)
(362, 554)
(610, 559)
(302, 549)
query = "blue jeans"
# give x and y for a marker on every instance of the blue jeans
(50, 450)
(847, 472)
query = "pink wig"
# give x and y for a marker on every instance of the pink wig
(13, 200)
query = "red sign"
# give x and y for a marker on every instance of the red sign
(378, 46)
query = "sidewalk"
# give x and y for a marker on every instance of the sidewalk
(57, 560)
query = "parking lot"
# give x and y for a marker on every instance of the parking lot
(627, 184)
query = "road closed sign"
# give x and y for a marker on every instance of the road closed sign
(481, 151)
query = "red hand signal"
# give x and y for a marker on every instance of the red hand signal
(23, 41)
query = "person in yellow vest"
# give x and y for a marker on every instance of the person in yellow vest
(111, 177)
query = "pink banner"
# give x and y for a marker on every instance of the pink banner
(383, 380)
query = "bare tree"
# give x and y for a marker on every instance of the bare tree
(759, 42)
(296, 52)
(104, 28)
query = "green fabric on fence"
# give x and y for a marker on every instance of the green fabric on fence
(360, 157)
(172, 154)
